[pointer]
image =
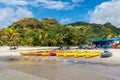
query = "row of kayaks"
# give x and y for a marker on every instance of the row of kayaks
(86, 54)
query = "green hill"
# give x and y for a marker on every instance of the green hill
(50, 32)
(95, 30)
(32, 23)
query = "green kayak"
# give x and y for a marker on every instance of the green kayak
(106, 54)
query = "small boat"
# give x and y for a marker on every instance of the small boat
(58, 54)
(68, 54)
(45, 54)
(38, 54)
(27, 53)
(106, 54)
(52, 53)
(79, 54)
(92, 54)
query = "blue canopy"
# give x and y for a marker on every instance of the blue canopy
(117, 38)
(97, 40)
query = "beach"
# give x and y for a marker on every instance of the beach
(52, 68)
(4, 51)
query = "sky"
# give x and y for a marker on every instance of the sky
(64, 11)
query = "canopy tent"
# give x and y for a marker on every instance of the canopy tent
(97, 40)
(117, 38)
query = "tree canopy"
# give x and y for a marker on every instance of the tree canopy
(49, 32)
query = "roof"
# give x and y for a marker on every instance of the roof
(96, 40)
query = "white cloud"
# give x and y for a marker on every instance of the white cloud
(107, 12)
(77, 1)
(65, 20)
(47, 4)
(14, 2)
(9, 15)
(22, 13)
(52, 4)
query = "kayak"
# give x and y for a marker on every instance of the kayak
(45, 54)
(79, 54)
(58, 54)
(97, 53)
(38, 54)
(106, 54)
(92, 54)
(68, 54)
(27, 53)
(52, 53)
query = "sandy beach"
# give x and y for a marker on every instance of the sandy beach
(4, 51)
(42, 70)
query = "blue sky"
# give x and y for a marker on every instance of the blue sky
(65, 11)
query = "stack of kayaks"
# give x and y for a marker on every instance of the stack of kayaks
(79, 54)
(27, 53)
(68, 54)
(45, 54)
(38, 54)
(58, 54)
(106, 54)
(92, 54)
(87, 54)
(52, 53)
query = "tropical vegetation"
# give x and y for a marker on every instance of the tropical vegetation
(49, 32)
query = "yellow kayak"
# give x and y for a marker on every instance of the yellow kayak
(92, 54)
(97, 52)
(45, 54)
(58, 54)
(27, 53)
(68, 54)
(79, 54)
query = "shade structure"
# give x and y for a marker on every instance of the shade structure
(97, 40)
(117, 38)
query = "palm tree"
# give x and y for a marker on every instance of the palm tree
(11, 35)
(42, 36)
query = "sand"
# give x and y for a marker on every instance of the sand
(7, 74)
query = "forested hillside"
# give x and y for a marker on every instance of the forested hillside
(49, 32)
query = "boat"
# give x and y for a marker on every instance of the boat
(58, 54)
(97, 53)
(52, 53)
(45, 54)
(27, 53)
(38, 54)
(92, 54)
(79, 54)
(106, 54)
(68, 54)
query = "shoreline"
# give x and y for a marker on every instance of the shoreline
(114, 60)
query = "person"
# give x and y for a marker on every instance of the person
(68, 47)
(17, 45)
(85, 46)
(80, 46)
(59, 48)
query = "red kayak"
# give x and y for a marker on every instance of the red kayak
(38, 54)
(52, 53)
